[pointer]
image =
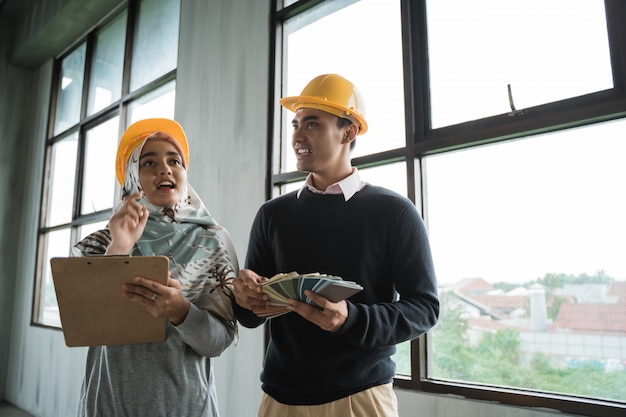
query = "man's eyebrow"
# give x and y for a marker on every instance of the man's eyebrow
(306, 118)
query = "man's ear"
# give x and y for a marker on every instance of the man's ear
(350, 133)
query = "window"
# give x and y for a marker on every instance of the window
(545, 51)
(503, 122)
(100, 86)
(533, 287)
(321, 33)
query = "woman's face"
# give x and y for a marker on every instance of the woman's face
(162, 174)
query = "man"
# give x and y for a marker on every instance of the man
(336, 360)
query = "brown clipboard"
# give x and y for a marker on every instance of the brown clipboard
(91, 307)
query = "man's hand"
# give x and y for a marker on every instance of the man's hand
(248, 291)
(331, 316)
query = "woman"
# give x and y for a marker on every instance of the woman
(162, 215)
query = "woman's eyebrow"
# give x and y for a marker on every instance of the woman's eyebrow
(147, 154)
(169, 153)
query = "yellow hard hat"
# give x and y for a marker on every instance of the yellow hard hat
(138, 131)
(333, 94)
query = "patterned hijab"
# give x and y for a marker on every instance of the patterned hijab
(200, 251)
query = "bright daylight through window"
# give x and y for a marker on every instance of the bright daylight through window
(545, 50)
(528, 241)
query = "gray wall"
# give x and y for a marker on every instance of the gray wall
(21, 120)
(7, 272)
(222, 103)
(221, 92)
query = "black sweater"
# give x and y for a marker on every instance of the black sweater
(376, 239)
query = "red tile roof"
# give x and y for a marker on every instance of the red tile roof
(502, 302)
(473, 286)
(607, 319)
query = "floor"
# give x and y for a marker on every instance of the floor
(9, 410)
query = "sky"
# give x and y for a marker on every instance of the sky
(517, 211)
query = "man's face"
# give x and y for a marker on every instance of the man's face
(162, 174)
(317, 142)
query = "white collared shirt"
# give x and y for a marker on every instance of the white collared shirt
(348, 186)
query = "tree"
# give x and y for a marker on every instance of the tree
(452, 356)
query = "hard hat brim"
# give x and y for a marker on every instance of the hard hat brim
(138, 131)
(294, 103)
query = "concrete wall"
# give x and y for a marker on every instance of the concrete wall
(9, 130)
(564, 346)
(222, 103)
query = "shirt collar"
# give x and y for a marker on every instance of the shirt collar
(348, 186)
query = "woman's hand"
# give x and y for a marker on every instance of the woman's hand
(159, 300)
(127, 225)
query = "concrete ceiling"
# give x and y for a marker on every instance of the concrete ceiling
(15, 8)
(42, 29)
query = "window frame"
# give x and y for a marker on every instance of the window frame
(422, 140)
(86, 122)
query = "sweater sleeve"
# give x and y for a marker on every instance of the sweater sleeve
(412, 272)
(205, 333)
(259, 259)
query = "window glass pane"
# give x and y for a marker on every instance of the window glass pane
(528, 239)
(70, 90)
(391, 176)
(105, 85)
(87, 229)
(57, 245)
(62, 180)
(99, 177)
(292, 186)
(346, 43)
(394, 177)
(546, 51)
(158, 103)
(402, 358)
(155, 49)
